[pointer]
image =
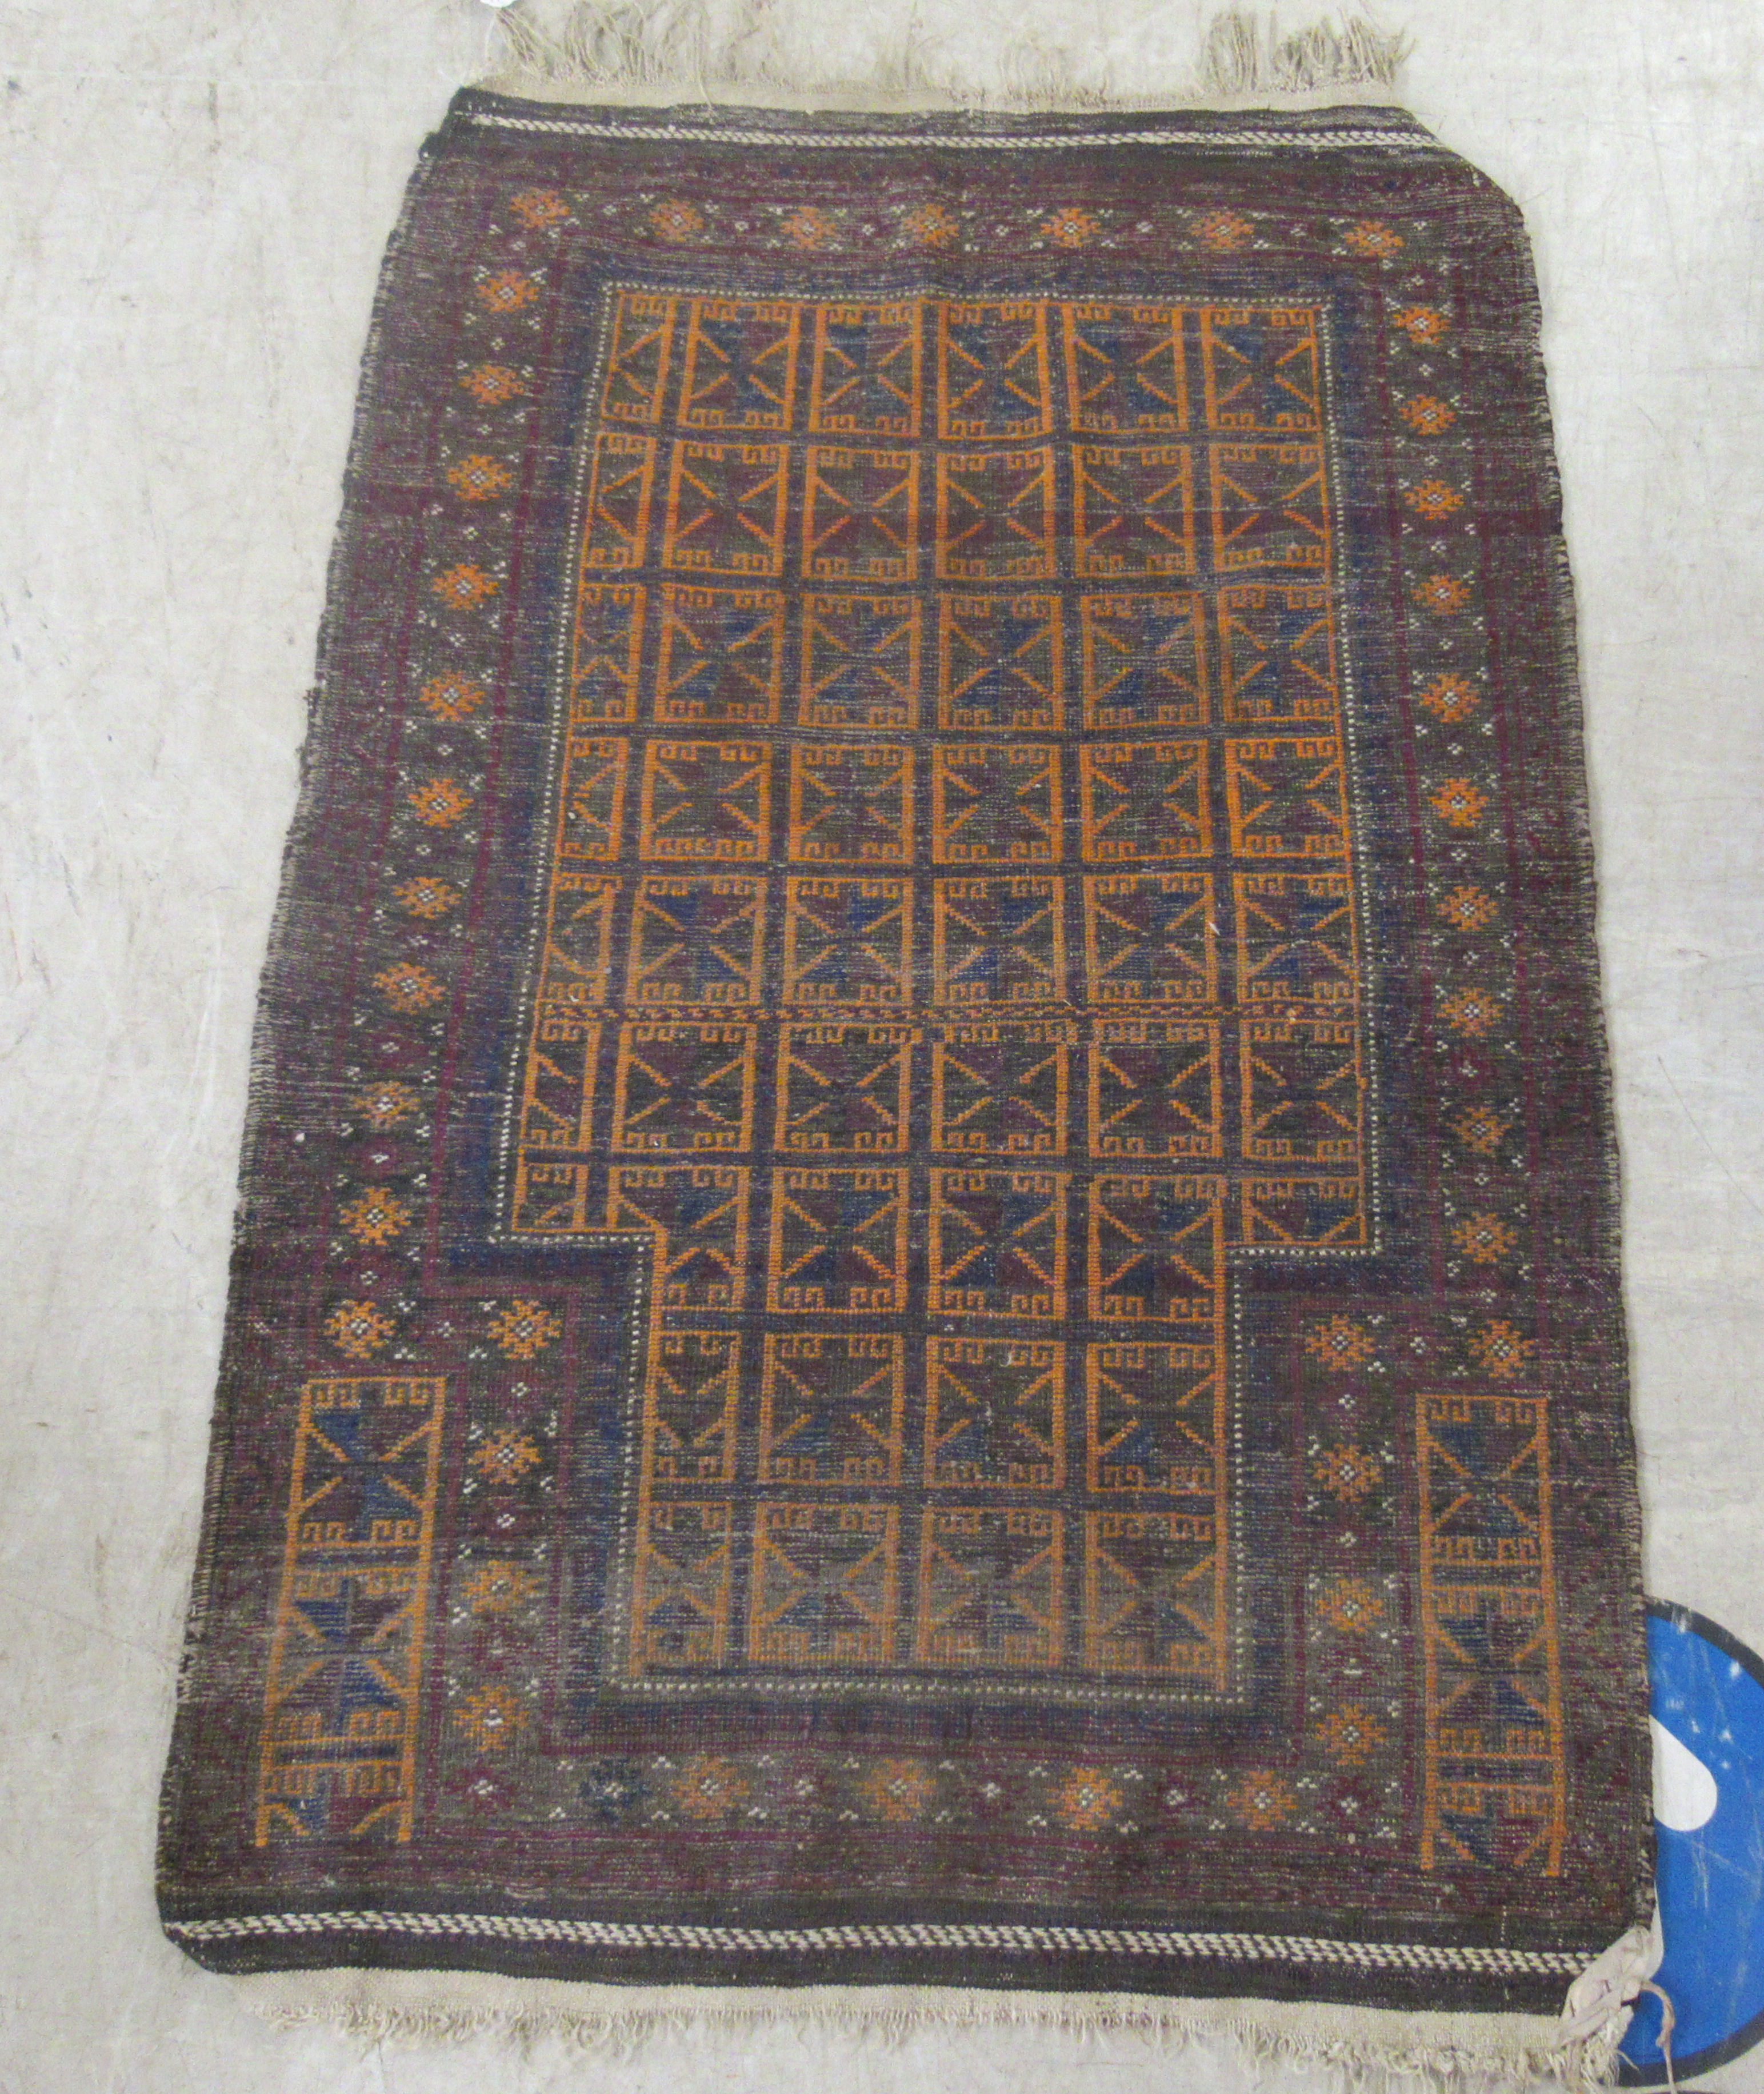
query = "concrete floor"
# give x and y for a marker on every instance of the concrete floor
(195, 202)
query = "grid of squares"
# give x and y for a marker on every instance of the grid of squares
(951, 952)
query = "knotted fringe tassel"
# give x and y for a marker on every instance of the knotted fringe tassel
(1369, 2047)
(1239, 58)
(592, 49)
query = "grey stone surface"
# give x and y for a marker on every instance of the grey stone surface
(195, 198)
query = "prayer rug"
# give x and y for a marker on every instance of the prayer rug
(927, 1293)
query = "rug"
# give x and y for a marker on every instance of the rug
(927, 1290)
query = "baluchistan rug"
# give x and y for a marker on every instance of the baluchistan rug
(927, 1293)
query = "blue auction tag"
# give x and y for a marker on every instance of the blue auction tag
(1708, 1697)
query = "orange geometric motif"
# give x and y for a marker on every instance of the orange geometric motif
(808, 228)
(539, 209)
(491, 384)
(1458, 802)
(676, 220)
(1369, 236)
(359, 1328)
(1485, 1238)
(507, 291)
(427, 896)
(479, 479)
(1425, 324)
(1442, 593)
(1127, 369)
(1452, 698)
(1070, 227)
(452, 696)
(524, 1329)
(465, 587)
(408, 987)
(1224, 232)
(375, 1216)
(929, 224)
(439, 802)
(1262, 1802)
(1426, 416)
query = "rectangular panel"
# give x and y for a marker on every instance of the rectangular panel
(861, 515)
(1157, 1248)
(741, 363)
(867, 380)
(1151, 938)
(997, 1244)
(833, 1407)
(998, 942)
(637, 357)
(1287, 797)
(1145, 800)
(845, 1088)
(1155, 1089)
(621, 483)
(848, 941)
(1277, 656)
(993, 370)
(722, 657)
(995, 515)
(609, 646)
(990, 1587)
(1496, 1781)
(682, 1585)
(337, 1754)
(696, 1215)
(1135, 510)
(692, 1407)
(851, 803)
(838, 1242)
(1126, 369)
(825, 1581)
(995, 1413)
(726, 508)
(995, 803)
(705, 800)
(1268, 506)
(864, 1073)
(684, 1089)
(1144, 661)
(860, 661)
(1155, 1417)
(1001, 1089)
(1000, 664)
(1262, 368)
(697, 940)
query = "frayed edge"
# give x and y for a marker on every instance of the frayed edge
(1239, 57)
(596, 48)
(1450, 2052)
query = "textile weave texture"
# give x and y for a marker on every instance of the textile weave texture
(927, 1285)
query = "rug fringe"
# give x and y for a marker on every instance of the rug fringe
(698, 51)
(1368, 2045)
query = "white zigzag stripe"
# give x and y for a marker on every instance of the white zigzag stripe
(1108, 1941)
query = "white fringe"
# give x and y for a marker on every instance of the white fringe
(768, 51)
(1449, 2052)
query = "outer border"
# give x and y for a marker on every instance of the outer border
(1283, 132)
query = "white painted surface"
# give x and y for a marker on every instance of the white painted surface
(1686, 1795)
(195, 200)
